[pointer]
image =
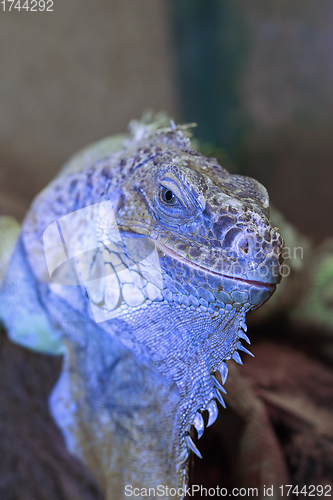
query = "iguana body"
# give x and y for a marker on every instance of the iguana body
(177, 251)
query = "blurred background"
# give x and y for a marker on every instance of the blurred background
(257, 78)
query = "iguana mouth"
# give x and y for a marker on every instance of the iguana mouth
(167, 250)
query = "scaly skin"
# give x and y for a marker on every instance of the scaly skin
(177, 251)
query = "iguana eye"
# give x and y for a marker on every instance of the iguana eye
(168, 196)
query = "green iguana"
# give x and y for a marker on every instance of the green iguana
(139, 263)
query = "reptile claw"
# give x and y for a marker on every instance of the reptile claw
(243, 335)
(192, 446)
(236, 357)
(212, 411)
(218, 385)
(242, 348)
(198, 423)
(223, 369)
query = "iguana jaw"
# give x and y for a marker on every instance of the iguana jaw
(168, 251)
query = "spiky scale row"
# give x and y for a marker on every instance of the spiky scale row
(243, 336)
(199, 424)
(243, 325)
(217, 384)
(218, 396)
(223, 369)
(236, 357)
(218, 388)
(192, 446)
(242, 348)
(212, 411)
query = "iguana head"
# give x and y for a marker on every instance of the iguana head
(210, 227)
(178, 249)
